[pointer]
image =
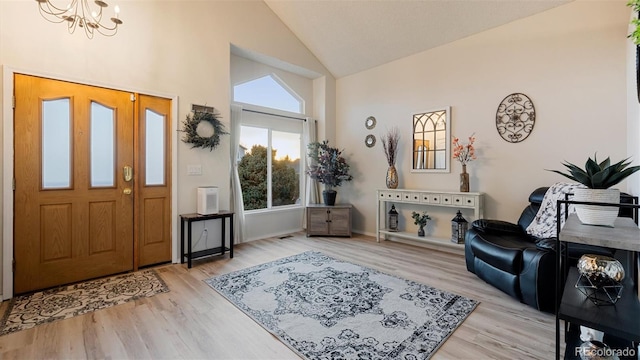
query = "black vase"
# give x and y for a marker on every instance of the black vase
(329, 197)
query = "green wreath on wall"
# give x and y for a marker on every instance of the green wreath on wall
(193, 133)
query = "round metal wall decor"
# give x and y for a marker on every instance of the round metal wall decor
(370, 140)
(515, 117)
(370, 123)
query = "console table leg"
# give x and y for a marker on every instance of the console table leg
(231, 236)
(181, 241)
(223, 231)
(189, 245)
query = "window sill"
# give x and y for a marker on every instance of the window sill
(278, 209)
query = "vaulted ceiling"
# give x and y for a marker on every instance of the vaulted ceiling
(349, 36)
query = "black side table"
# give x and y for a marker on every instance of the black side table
(188, 219)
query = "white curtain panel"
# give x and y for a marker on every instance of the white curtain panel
(311, 186)
(236, 189)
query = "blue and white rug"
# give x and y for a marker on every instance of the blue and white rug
(324, 308)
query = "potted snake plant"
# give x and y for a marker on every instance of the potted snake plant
(598, 178)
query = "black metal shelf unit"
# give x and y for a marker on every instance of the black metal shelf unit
(620, 321)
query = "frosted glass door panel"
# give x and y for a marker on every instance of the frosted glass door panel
(154, 148)
(102, 146)
(56, 144)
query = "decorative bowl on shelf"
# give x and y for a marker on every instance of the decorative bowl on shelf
(600, 270)
(600, 278)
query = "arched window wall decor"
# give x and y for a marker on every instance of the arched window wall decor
(431, 136)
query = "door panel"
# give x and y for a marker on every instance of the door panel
(154, 180)
(67, 230)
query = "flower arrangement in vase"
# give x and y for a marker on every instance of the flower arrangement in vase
(390, 146)
(328, 167)
(464, 153)
(598, 178)
(420, 219)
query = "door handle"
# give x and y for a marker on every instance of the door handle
(127, 191)
(127, 173)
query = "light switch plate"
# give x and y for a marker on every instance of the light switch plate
(194, 170)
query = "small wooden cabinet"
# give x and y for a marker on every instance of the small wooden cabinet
(329, 220)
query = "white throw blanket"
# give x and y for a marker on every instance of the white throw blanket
(544, 224)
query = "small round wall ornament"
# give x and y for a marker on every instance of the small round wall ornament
(203, 129)
(370, 140)
(370, 123)
(515, 117)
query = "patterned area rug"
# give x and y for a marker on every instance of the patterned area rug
(25, 312)
(324, 308)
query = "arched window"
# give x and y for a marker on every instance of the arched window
(271, 144)
(269, 91)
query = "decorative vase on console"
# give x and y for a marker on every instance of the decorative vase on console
(464, 154)
(597, 179)
(392, 177)
(390, 146)
(464, 179)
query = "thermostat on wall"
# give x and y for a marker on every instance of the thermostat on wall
(207, 200)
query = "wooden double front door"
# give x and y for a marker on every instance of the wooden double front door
(92, 182)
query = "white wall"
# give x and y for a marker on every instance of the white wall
(178, 48)
(633, 112)
(570, 60)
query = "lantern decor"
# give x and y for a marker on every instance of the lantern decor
(393, 218)
(458, 228)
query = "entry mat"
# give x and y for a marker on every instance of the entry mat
(27, 311)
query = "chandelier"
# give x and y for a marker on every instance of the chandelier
(78, 13)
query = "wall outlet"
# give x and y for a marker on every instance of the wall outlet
(194, 170)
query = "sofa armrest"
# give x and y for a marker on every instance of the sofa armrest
(538, 279)
(547, 244)
(496, 227)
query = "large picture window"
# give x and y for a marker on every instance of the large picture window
(269, 164)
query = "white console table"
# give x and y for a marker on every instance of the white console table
(453, 200)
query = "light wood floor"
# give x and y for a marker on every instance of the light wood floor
(193, 321)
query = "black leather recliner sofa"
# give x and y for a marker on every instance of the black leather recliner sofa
(505, 256)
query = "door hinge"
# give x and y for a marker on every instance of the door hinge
(13, 102)
(133, 97)
(13, 265)
(13, 185)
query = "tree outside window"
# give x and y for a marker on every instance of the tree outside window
(272, 181)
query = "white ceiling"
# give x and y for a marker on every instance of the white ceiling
(349, 36)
